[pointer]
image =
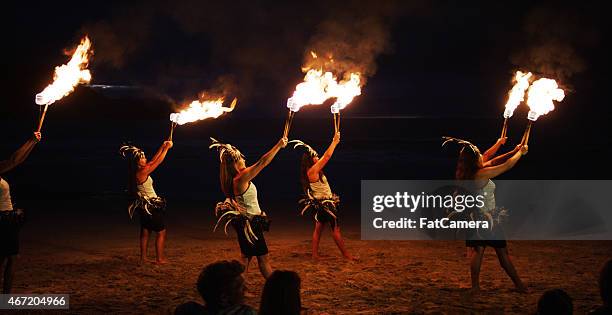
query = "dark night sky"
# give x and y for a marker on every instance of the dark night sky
(441, 58)
(449, 64)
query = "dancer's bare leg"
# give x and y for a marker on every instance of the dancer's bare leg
(340, 242)
(476, 255)
(246, 261)
(264, 265)
(7, 284)
(506, 263)
(144, 243)
(160, 241)
(316, 239)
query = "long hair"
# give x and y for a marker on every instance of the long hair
(228, 156)
(132, 155)
(227, 173)
(281, 294)
(467, 164)
(305, 165)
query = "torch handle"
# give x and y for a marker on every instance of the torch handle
(171, 131)
(504, 128)
(525, 139)
(42, 118)
(288, 123)
(337, 122)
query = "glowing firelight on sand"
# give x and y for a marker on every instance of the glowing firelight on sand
(199, 110)
(68, 76)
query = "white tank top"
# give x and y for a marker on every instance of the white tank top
(5, 196)
(320, 189)
(489, 194)
(146, 189)
(248, 200)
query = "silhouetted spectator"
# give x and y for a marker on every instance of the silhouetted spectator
(555, 302)
(222, 288)
(281, 294)
(605, 288)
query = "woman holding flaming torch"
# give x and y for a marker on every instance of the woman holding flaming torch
(241, 207)
(11, 219)
(481, 168)
(150, 207)
(319, 196)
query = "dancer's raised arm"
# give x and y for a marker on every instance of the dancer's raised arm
(157, 159)
(494, 171)
(247, 174)
(502, 158)
(20, 155)
(490, 153)
(320, 164)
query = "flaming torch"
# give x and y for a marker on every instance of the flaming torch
(515, 97)
(313, 91)
(66, 78)
(540, 99)
(344, 92)
(319, 86)
(199, 110)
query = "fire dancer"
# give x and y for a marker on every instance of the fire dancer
(481, 168)
(150, 207)
(319, 196)
(241, 207)
(11, 219)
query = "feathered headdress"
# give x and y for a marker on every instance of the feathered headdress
(131, 152)
(463, 143)
(307, 148)
(225, 148)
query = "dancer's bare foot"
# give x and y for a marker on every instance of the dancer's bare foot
(162, 261)
(316, 257)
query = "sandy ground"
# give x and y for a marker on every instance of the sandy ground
(98, 268)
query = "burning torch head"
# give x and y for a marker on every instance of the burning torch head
(540, 98)
(293, 105)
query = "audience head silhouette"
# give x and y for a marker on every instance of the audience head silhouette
(555, 301)
(281, 294)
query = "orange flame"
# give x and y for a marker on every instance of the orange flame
(68, 76)
(313, 91)
(199, 110)
(345, 92)
(517, 94)
(319, 86)
(541, 95)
